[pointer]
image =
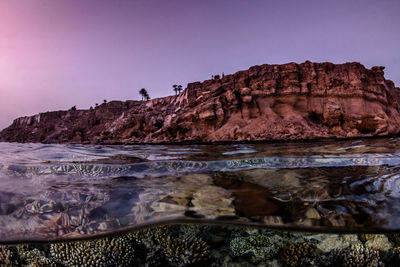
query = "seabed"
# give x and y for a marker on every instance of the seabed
(211, 245)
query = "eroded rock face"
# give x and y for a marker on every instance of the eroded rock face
(267, 102)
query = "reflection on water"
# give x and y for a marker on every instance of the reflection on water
(60, 192)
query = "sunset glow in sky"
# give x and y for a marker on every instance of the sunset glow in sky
(58, 53)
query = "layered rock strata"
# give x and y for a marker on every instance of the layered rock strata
(268, 102)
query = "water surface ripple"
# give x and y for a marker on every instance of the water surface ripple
(56, 192)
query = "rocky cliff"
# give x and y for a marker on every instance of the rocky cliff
(267, 102)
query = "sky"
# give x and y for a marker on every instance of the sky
(55, 54)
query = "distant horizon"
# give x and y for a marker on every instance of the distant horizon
(59, 54)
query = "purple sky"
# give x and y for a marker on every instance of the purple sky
(58, 53)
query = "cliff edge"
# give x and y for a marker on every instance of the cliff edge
(267, 102)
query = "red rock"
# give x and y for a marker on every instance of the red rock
(267, 102)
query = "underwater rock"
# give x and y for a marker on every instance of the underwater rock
(312, 214)
(287, 180)
(365, 237)
(251, 200)
(379, 242)
(212, 201)
(335, 241)
(260, 246)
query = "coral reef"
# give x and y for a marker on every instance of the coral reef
(8, 256)
(301, 253)
(185, 252)
(100, 252)
(258, 245)
(392, 258)
(194, 245)
(356, 256)
(180, 246)
(37, 258)
(394, 238)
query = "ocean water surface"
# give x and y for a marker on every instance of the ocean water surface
(53, 193)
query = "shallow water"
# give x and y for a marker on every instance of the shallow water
(61, 192)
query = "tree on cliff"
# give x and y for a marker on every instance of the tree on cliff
(146, 96)
(177, 88)
(143, 93)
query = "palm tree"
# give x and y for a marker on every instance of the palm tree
(179, 88)
(175, 88)
(146, 96)
(143, 93)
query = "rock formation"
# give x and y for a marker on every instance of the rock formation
(268, 102)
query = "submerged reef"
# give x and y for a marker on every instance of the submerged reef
(180, 246)
(205, 245)
(298, 254)
(260, 246)
(8, 256)
(116, 251)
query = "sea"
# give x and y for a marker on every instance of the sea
(312, 203)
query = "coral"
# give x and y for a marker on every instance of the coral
(189, 231)
(180, 252)
(8, 256)
(258, 245)
(394, 239)
(359, 256)
(179, 245)
(155, 257)
(151, 237)
(392, 258)
(298, 254)
(37, 258)
(115, 251)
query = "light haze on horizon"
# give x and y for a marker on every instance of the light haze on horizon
(55, 54)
